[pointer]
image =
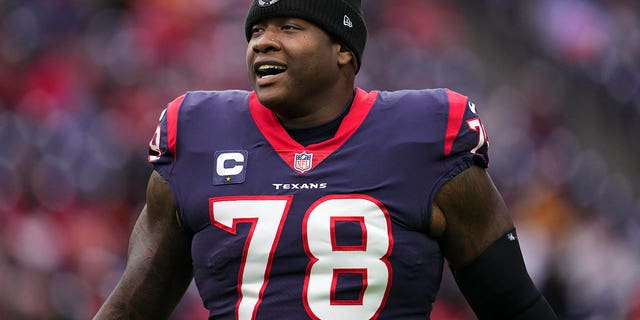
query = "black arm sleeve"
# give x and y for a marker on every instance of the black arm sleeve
(497, 285)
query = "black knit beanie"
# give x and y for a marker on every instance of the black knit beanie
(342, 19)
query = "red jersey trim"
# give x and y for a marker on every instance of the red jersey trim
(457, 107)
(172, 123)
(287, 147)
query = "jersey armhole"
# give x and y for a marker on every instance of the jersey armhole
(180, 217)
(458, 167)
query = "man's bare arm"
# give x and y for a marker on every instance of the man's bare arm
(158, 267)
(480, 243)
(474, 215)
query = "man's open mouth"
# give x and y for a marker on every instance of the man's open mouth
(267, 70)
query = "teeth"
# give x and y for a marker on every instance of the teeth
(269, 70)
(266, 67)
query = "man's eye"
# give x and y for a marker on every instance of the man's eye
(256, 30)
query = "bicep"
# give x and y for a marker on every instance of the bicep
(157, 237)
(474, 214)
(158, 267)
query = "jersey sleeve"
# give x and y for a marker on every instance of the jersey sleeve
(162, 147)
(466, 142)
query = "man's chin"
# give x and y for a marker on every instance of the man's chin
(270, 98)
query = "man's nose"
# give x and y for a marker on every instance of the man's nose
(268, 40)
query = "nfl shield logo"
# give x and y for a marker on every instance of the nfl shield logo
(303, 161)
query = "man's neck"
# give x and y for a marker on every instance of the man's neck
(315, 111)
(322, 132)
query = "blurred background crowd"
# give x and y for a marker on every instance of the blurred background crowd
(82, 84)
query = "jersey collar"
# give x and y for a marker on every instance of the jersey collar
(303, 159)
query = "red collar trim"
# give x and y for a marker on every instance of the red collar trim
(303, 159)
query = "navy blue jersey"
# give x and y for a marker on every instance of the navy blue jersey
(334, 230)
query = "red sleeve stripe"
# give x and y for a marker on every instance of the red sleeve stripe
(172, 123)
(457, 106)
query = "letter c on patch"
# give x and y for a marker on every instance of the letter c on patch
(230, 163)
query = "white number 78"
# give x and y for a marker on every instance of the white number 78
(267, 215)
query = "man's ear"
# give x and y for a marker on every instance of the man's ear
(345, 56)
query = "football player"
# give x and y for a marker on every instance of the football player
(310, 198)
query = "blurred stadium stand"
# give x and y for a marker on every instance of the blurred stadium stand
(83, 82)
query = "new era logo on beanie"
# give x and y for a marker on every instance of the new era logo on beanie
(347, 22)
(342, 19)
(264, 3)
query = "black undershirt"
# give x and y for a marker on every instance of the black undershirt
(309, 136)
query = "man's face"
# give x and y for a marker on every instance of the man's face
(290, 60)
